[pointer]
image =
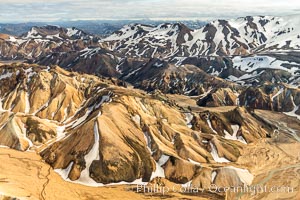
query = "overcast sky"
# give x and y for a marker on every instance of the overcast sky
(54, 10)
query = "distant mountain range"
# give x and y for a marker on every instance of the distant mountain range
(244, 50)
(97, 27)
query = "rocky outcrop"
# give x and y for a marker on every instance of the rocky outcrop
(281, 98)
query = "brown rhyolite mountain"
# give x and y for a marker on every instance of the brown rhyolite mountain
(60, 115)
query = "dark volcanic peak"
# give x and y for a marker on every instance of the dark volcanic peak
(55, 32)
(130, 31)
(135, 31)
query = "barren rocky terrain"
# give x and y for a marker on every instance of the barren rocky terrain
(83, 117)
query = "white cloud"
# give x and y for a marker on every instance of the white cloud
(46, 10)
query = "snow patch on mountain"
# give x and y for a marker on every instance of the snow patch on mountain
(215, 155)
(293, 112)
(89, 158)
(213, 176)
(194, 162)
(244, 175)
(159, 172)
(277, 94)
(234, 136)
(6, 75)
(189, 117)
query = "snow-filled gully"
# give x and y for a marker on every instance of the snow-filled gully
(93, 154)
(215, 154)
(209, 124)
(234, 136)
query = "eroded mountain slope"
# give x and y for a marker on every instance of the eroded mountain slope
(93, 132)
